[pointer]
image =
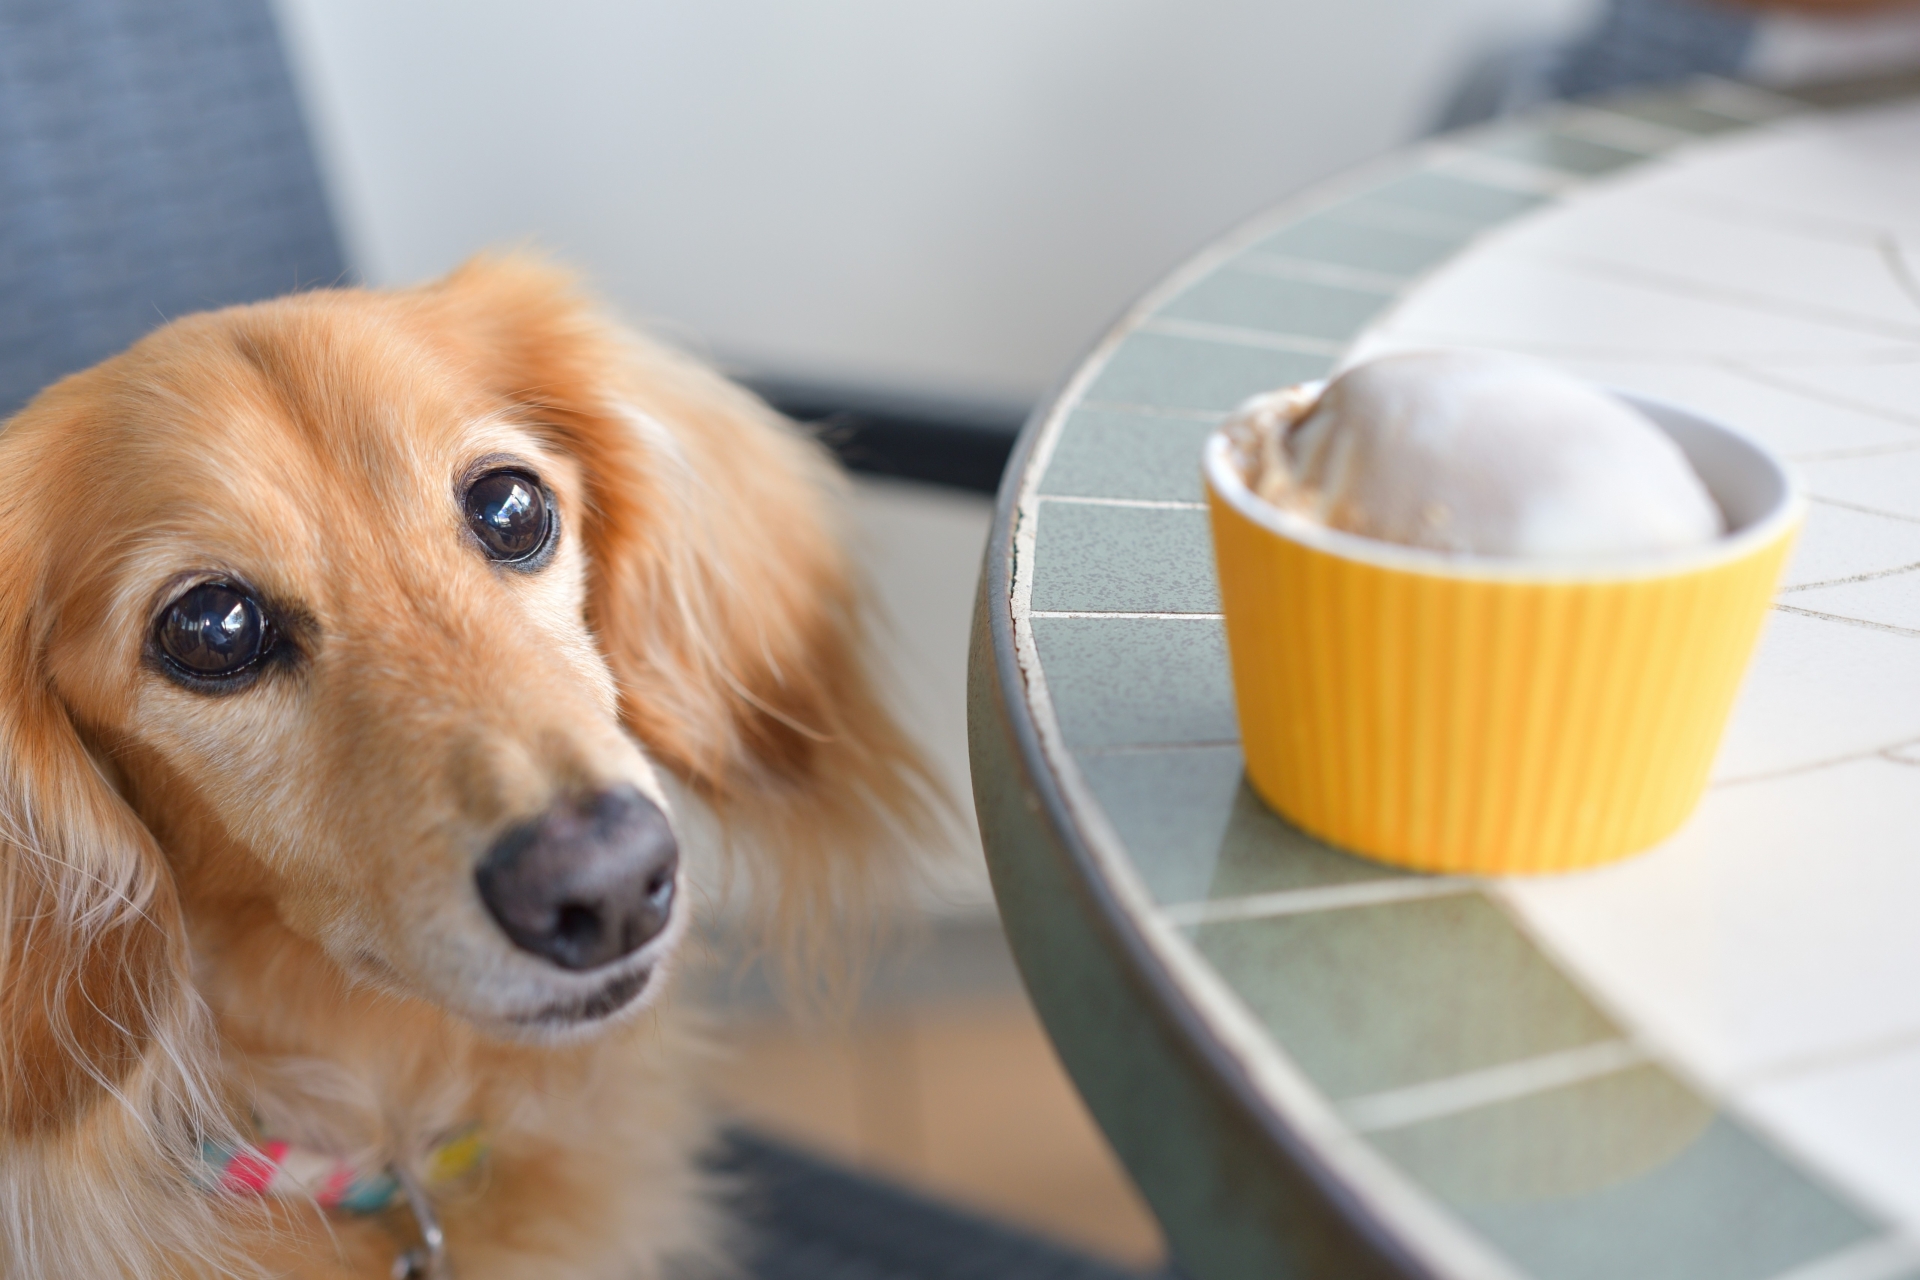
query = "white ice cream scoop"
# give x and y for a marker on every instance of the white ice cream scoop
(1478, 454)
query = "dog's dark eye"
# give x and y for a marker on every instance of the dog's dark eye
(213, 630)
(508, 513)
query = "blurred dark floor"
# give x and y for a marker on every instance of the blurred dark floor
(962, 445)
(942, 1083)
(809, 1219)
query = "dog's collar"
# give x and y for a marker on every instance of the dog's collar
(271, 1167)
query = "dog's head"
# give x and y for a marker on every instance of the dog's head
(385, 614)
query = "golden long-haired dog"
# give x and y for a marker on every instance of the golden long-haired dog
(351, 644)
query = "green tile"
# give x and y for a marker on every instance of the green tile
(1674, 113)
(1383, 997)
(1557, 1145)
(1327, 238)
(1118, 682)
(1105, 453)
(1626, 1177)
(1195, 830)
(1448, 196)
(1251, 300)
(1097, 559)
(1166, 371)
(1549, 150)
(1398, 217)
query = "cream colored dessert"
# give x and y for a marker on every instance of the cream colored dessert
(1477, 454)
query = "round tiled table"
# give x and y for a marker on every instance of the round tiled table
(1702, 1063)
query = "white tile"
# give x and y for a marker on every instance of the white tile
(1838, 543)
(1886, 482)
(1858, 1122)
(1638, 230)
(1778, 925)
(1491, 298)
(1789, 422)
(1889, 389)
(1847, 170)
(1776, 251)
(1792, 421)
(1904, 252)
(1892, 601)
(1819, 691)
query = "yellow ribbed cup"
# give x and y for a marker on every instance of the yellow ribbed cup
(1468, 714)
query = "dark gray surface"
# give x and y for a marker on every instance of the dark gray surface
(1651, 42)
(152, 162)
(802, 1218)
(1630, 44)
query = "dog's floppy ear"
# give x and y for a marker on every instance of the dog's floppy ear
(91, 958)
(721, 592)
(104, 1050)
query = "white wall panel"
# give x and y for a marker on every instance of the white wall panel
(941, 197)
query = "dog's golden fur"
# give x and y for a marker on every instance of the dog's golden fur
(260, 905)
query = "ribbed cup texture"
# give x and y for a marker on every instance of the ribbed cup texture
(1483, 726)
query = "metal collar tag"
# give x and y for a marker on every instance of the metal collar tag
(428, 1259)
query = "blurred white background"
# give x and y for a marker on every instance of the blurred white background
(950, 200)
(944, 198)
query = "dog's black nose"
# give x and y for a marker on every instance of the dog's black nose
(586, 882)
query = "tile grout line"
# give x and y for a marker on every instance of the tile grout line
(1419, 224)
(1861, 509)
(1845, 621)
(1744, 368)
(1820, 228)
(1399, 1108)
(1151, 410)
(1873, 576)
(1814, 766)
(1240, 336)
(1284, 266)
(1835, 1058)
(1891, 449)
(1145, 504)
(1882, 1258)
(1269, 266)
(1658, 358)
(1898, 267)
(1463, 161)
(1337, 897)
(1142, 748)
(1087, 613)
(1666, 284)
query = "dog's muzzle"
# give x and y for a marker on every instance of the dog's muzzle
(587, 882)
